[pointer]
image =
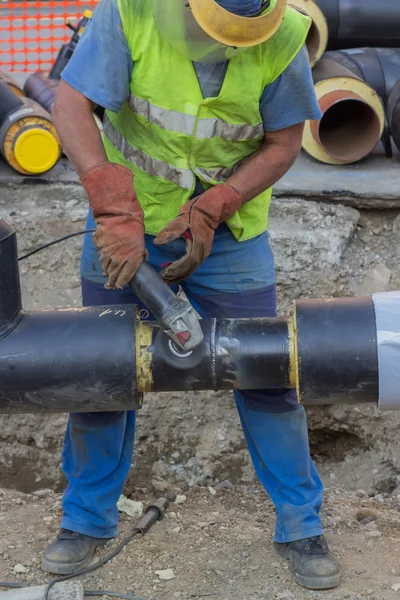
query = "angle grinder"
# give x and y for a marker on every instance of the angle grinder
(175, 315)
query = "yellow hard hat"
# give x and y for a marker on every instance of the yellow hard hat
(204, 31)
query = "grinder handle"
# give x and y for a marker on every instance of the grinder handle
(155, 294)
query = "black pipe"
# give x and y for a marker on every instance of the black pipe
(102, 358)
(354, 23)
(336, 350)
(379, 67)
(68, 359)
(42, 89)
(10, 289)
(9, 101)
(393, 114)
(235, 354)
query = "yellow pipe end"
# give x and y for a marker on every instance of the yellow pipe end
(31, 145)
(355, 138)
(36, 150)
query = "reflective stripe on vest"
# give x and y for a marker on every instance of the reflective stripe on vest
(152, 166)
(178, 122)
(158, 168)
(219, 175)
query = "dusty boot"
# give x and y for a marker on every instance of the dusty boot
(70, 552)
(311, 563)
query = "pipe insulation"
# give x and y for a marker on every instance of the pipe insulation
(341, 350)
(317, 37)
(380, 69)
(355, 23)
(353, 116)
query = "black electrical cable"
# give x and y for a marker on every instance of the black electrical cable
(57, 241)
(112, 594)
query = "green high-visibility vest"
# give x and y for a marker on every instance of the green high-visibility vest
(168, 134)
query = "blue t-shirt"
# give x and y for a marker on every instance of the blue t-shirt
(101, 69)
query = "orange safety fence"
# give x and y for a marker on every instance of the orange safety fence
(32, 31)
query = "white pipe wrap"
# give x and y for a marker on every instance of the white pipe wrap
(387, 315)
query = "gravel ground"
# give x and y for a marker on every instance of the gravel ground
(217, 542)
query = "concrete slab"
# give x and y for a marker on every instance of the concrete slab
(372, 183)
(61, 173)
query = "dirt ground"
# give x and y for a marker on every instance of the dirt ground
(217, 545)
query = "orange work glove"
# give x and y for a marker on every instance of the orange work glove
(196, 223)
(119, 237)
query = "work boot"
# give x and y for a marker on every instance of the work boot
(70, 552)
(311, 563)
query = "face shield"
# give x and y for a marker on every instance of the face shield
(203, 31)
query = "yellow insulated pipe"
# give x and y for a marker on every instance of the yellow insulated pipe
(12, 84)
(317, 38)
(353, 116)
(28, 140)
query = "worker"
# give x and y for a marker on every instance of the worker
(205, 104)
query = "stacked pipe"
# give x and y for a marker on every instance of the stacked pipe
(343, 350)
(355, 23)
(359, 95)
(341, 24)
(28, 139)
(42, 86)
(353, 115)
(358, 89)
